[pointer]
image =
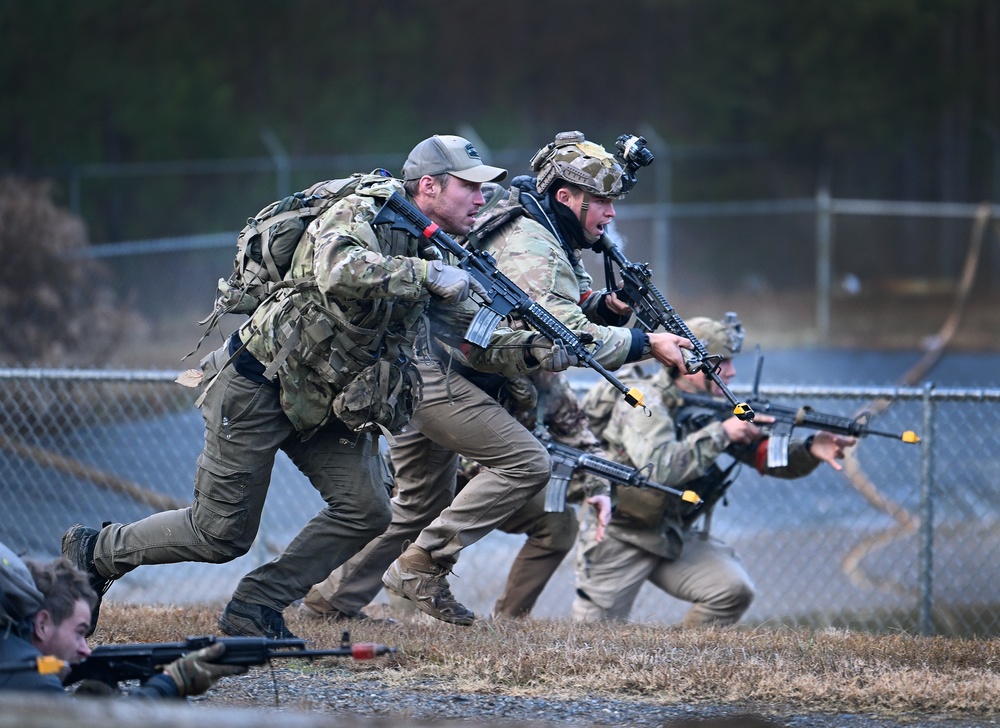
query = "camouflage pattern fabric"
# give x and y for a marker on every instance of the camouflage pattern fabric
(652, 520)
(566, 421)
(582, 163)
(530, 256)
(368, 298)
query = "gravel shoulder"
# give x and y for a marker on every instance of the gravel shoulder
(326, 693)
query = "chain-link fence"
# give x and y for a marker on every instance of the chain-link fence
(904, 538)
(737, 223)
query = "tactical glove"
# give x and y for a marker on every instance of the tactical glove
(196, 672)
(451, 283)
(551, 357)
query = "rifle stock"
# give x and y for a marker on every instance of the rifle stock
(112, 664)
(566, 460)
(506, 297)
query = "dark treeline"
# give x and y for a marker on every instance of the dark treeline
(895, 98)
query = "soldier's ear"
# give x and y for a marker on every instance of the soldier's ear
(564, 195)
(429, 186)
(43, 626)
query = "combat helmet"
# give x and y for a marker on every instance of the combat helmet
(575, 160)
(721, 338)
(20, 599)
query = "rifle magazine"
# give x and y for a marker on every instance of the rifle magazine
(484, 323)
(555, 494)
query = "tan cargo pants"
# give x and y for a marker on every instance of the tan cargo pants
(709, 574)
(456, 417)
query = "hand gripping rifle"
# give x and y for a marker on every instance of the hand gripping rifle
(653, 311)
(566, 460)
(787, 418)
(112, 664)
(507, 297)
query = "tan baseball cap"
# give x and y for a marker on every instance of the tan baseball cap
(444, 153)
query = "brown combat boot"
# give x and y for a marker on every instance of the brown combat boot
(315, 606)
(416, 577)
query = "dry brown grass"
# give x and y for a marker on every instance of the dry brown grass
(829, 671)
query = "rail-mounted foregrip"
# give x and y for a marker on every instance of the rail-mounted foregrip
(506, 297)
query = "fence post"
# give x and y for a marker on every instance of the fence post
(662, 192)
(824, 243)
(282, 165)
(927, 513)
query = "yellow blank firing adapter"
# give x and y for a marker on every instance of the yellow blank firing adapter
(910, 436)
(634, 397)
(691, 497)
(743, 411)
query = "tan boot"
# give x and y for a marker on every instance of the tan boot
(315, 606)
(416, 577)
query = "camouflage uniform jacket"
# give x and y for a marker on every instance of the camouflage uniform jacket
(652, 520)
(447, 326)
(535, 394)
(536, 260)
(364, 301)
(363, 298)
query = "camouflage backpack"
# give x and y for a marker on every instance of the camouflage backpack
(266, 244)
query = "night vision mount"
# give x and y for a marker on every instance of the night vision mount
(632, 154)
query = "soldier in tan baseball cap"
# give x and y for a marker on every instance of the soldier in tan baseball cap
(449, 154)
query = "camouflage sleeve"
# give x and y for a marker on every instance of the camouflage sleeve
(348, 260)
(800, 461)
(653, 440)
(504, 355)
(534, 260)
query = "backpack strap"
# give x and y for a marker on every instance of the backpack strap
(265, 229)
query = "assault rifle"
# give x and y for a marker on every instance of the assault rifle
(112, 664)
(653, 311)
(506, 297)
(786, 418)
(638, 290)
(566, 460)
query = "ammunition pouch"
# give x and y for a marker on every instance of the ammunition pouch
(330, 367)
(382, 396)
(641, 507)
